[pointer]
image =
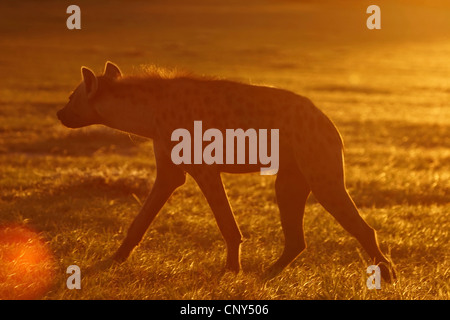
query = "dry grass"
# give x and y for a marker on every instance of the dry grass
(388, 93)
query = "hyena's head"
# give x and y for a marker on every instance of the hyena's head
(80, 110)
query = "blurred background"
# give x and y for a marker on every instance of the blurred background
(387, 91)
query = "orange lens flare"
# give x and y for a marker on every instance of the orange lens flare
(26, 264)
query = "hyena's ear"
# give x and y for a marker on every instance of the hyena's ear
(112, 70)
(90, 81)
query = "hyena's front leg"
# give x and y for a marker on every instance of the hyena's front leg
(211, 185)
(168, 178)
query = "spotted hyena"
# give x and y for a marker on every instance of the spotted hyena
(154, 106)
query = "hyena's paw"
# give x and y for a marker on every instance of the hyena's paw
(387, 272)
(271, 272)
(99, 266)
(120, 256)
(233, 267)
(225, 272)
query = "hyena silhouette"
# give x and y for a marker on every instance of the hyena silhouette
(310, 151)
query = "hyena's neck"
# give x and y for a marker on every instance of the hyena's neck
(129, 106)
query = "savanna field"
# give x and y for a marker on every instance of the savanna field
(68, 196)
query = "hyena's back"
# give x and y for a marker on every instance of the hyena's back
(225, 104)
(306, 135)
(304, 131)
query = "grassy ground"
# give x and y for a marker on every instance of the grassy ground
(387, 91)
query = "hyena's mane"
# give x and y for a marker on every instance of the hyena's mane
(146, 75)
(156, 72)
(153, 72)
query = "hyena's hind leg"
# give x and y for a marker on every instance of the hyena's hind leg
(326, 178)
(292, 191)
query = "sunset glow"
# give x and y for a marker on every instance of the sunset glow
(224, 150)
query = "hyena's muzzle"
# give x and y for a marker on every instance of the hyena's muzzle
(70, 120)
(81, 118)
